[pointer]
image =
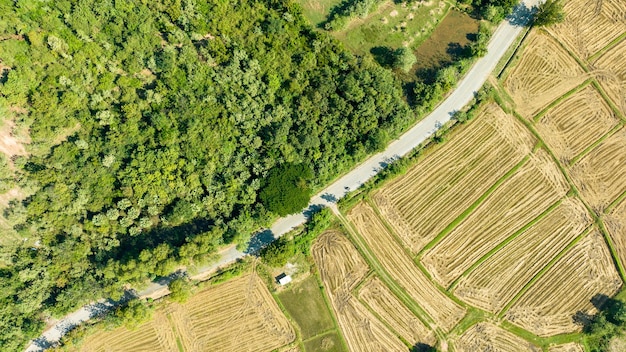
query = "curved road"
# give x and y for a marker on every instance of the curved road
(501, 40)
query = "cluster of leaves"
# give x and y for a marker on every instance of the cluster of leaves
(609, 324)
(492, 10)
(549, 12)
(346, 10)
(153, 124)
(285, 190)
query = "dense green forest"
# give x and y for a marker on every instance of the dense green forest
(153, 124)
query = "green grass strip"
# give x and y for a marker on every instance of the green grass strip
(606, 48)
(594, 144)
(613, 204)
(576, 89)
(544, 270)
(505, 242)
(510, 53)
(608, 100)
(179, 343)
(472, 207)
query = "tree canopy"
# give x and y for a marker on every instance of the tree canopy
(285, 190)
(549, 12)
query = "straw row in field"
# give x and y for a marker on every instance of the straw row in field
(383, 302)
(544, 73)
(497, 280)
(615, 222)
(488, 337)
(435, 191)
(611, 73)
(529, 192)
(590, 25)
(342, 268)
(583, 278)
(576, 123)
(568, 347)
(601, 174)
(400, 266)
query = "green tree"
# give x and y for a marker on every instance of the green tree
(404, 59)
(285, 190)
(549, 13)
(180, 289)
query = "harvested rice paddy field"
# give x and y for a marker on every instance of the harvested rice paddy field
(488, 337)
(238, 315)
(610, 70)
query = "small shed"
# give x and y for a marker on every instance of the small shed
(283, 279)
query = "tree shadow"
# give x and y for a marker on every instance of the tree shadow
(521, 15)
(383, 55)
(456, 51)
(422, 347)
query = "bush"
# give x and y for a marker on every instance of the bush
(180, 289)
(404, 59)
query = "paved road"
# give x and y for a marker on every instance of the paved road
(502, 39)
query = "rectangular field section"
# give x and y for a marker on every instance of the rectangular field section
(601, 174)
(526, 194)
(488, 337)
(590, 25)
(611, 73)
(577, 281)
(497, 280)
(420, 204)
(400, 266)
(576, 123)
(342, 268)
(615, 223)
(385, 304)
(544, 73)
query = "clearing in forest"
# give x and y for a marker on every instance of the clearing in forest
(590, 25)
(421, 203)
(488, 337)
(567, 137)
(544, 72)
(214, 319)
(497, 280)
(610, 71)
(342, 268)
(402, 269)
(601, 174)
(531, 190)
(578, 282)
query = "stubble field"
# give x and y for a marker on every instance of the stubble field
(488, 337)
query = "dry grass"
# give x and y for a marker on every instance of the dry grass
(601, 174)
(577, 281)
(238, 315)
(526, 194)
(488, 337)
(400, 266)
(568, 347)
(590, 25)
(576, 123)
(544, 73)
(434, 192)
(9, 143)
(342, 268)
(496, 281)
(383, 302)
(610, 71)
(615, 223)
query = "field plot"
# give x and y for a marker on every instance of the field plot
(383, 302)
(611, 73)
(330, 342)
(590, 25)
(155, 335)
(576, 123)
(615, 222)
(577, 281)
(497, 280)
(342, 268)
(400, 266)
(488, 337)
(544, 73)
(568, 347)
(525, 195)
(238, 315)
(601, 174)
(420, 204)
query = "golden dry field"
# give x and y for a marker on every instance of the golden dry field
(238, 315)
(567, 137)
(610, 70)
(488, 337)
(434, 192)
(544, 73)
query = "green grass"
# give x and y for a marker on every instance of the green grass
(330, 342)
(306, 306)
(316, 11)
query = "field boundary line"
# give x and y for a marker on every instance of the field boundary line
(593, 145)
(541, 272)
(560, 99)
(614, 203)
(580, 62)
(325, 332)
(507, 61)
(608, 100)
(609, 46)
(467, 212)
(386, 278)
(177, 336)
(504, 243)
